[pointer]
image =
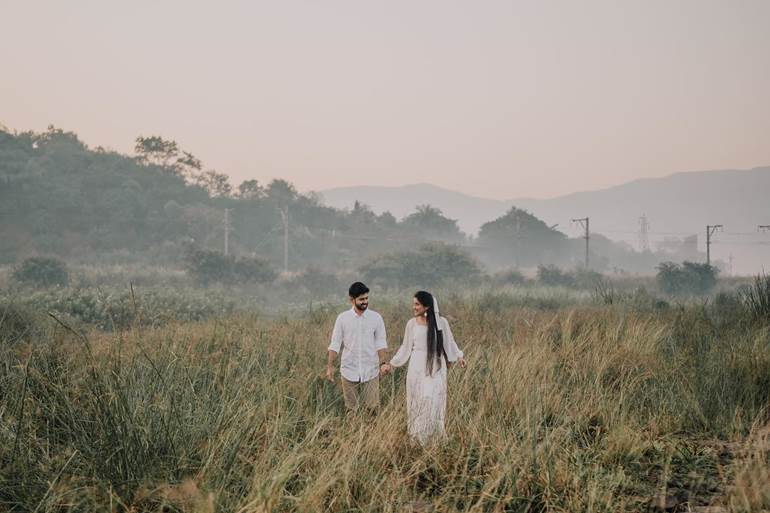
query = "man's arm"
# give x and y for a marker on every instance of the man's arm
(381, 344)
(382, 355)
(334, 348)
(330, 365)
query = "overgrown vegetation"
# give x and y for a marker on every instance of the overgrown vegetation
(213, 267)
(42, 272)
(687, 278)
(757, 297)
(563, 408)
(432, 265)
(60, 197)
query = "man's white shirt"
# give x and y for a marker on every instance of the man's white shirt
(360, 337)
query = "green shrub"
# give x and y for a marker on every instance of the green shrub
(110, 308)
(552, 276)
(42, 272)
(756, 297)
(510, 277)
(686, 279)
(432, 265)
(17, 323)
(214, 267)
(317, 282)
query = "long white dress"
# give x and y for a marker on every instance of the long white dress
(425, 393)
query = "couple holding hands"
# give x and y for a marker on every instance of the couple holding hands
(428, 346)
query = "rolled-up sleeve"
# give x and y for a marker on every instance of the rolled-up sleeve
(336, 341)
(380, 338)
(453, 352)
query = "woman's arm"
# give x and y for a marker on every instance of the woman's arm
(453, 353)
(405, 351)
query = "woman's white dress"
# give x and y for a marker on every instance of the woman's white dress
(425, 393)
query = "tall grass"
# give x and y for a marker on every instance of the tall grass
(563, 408)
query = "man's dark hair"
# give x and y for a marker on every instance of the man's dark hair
(357, 289)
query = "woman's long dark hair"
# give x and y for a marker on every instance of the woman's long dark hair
(435, 337)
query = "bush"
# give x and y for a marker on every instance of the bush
(687, 278)
(42, 272)
(552, 276)
(432, 265)
(317, 282)
(111, 308)
(214, 267)
(756, 297)
(510, 277)
(17, 323)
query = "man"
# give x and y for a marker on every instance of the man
(360, 334)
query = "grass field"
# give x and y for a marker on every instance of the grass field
(568, 404)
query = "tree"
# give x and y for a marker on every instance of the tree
(434, 225)
(216, 184)
(156, 151)
(214, 267)
(519, 238)
(687, 278)
(282, 192)
(434, 264)
(42, 271)
(250, 189)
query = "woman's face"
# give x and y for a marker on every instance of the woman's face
(418, 309)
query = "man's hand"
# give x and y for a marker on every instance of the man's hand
(330, 373)
(385, 369)
(463, 364)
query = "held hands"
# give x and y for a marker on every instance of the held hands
(462, 363)
(385, 369)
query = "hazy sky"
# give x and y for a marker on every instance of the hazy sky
(498, 99)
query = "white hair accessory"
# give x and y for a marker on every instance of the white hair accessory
(436, 312)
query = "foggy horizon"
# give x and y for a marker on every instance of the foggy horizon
(498, 100)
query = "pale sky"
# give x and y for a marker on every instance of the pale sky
(500, 99)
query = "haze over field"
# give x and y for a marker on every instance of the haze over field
(497, 99)
(189, 189)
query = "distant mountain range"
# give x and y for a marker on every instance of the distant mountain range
(674, 206)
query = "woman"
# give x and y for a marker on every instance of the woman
(429, 347)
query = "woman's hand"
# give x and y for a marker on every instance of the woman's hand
(385, 368)
(463, 364)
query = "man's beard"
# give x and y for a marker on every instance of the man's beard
(362, 307)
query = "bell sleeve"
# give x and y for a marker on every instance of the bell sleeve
(405, 351)
(453, 352)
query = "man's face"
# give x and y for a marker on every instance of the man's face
(361, 302)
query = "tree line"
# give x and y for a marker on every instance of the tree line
(59, 197)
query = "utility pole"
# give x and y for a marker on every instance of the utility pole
(518, 241)
(227, 231)
(644, 241)
(285, 218)
(584, 223)
(710, 229)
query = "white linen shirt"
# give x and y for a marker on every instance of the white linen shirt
(360, 337)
